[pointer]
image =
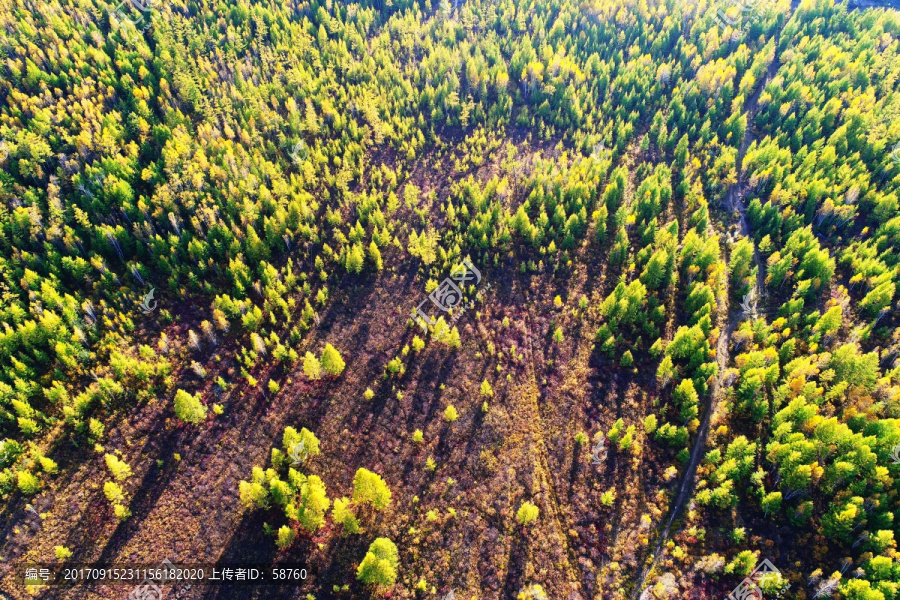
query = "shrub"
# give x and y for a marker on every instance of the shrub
(62, 553)
(527, 513)
(379, 567)
(486, 389)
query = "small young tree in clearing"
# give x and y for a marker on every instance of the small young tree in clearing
(379, 567)
(121, 511)
(312, 504)
(188, 408)
(370, 488)
(286, 537)
(341, 513)
(486, 389)
(332, 361)
(558, 335)
(113, 492)
(116, 496)
(254, 493)
(119, 468)
(608, 497)
(312, 368)
(444, 334)
(527, 513)
(28, 483)
(450, 414)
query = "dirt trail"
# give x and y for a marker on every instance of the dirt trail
(734, 200)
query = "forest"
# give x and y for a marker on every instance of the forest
(565, 299)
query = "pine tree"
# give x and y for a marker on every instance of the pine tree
(119, 468)
(331, 361)
(311, 505)
(369, 488)
(312, 368)
(286, 537)
(188, 408)
(527, 513)
(113, 492)
(375, 256)
(28, 484)
(355, 259)
(379, 566)
(450, 413)
(343, 515)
